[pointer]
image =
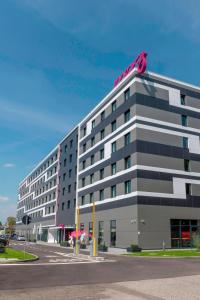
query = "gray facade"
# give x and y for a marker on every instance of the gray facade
(48, 194)
(136, 155)
(139, 154)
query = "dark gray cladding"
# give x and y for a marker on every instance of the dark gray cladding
(67, 199)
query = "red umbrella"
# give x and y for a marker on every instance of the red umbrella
(80, 232)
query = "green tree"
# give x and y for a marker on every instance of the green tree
(10, 223)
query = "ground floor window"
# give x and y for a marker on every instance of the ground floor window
(182, 232)
(44, 235)
(113, 233)
(101, 233)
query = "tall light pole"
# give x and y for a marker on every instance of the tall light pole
(77, 228)
(94, 230)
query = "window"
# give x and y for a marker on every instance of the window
(113, 191)
(188, 188)
(101, 174)
(102, 134)
(83, 182)
(65, 148)
(113, 233)
(101, 195)
(113, 169)
(74, 202)
(127, 139)
(70, 158)
(70, 173)
(113, 147)
(113, 126)
(84, 147)
(68, 204)
(186, 165)
(127, 162)
(83, 164)
(63, 205)
(126, 94)
(84, 131)
(92, 141)
(114, 106)
(69, 188)
(185, 142)
(127, 187)
(182, 99)
(64, 176)
(63, 191)
(101, 153)
(82, 200)
(184, 120)
(71, 143)
(92, 178)
(103, 115)
(127, 116)
(53, 208)
(93, 124)
(101, 233)
(92, 159)
(91, 197)
(65, 162)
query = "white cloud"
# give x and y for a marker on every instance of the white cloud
(3, 199)
(9, 165)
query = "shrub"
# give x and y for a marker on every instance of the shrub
(102, 247)
(3, 243)
(82, 246)
(65, 244)
(134, 248)
(196, 241)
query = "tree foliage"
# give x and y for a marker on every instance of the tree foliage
(11, 222)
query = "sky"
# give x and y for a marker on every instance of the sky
(58, 59)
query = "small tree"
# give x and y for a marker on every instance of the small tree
(196, 241)
(10, 223)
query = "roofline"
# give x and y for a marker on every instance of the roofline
(127, 78)
(116, 88)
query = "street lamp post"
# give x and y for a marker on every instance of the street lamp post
(77, 228)
(94, 230)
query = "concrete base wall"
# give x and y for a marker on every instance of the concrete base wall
(154, 223)
(126, 226)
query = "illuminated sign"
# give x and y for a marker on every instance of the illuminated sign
(140, 62)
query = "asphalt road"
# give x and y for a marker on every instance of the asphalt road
(48, 272)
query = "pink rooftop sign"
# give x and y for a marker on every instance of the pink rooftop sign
(141, 64)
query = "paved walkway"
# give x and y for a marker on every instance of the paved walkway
(179, 288)
(111, 250)
(54, 255)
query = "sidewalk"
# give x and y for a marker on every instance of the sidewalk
(111, 250)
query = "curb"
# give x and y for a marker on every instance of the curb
(20, 261)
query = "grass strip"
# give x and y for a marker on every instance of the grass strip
(166, 253)
(17, 254)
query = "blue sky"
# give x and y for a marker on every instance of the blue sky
(59, 58)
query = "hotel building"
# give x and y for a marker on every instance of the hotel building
(138, 158)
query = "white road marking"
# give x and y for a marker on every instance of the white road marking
(58, 263)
